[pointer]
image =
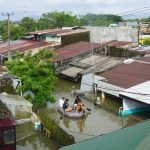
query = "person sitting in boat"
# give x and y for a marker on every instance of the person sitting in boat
(77, 101)
(66, 106)
(61, 102)
(80, 107)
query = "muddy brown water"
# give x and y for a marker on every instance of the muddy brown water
(102, 120)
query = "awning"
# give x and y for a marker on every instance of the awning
(71, 71)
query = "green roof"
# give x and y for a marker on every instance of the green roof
(130, 138)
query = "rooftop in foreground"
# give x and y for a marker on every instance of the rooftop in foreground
(134, 137)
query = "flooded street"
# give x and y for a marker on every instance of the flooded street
(102, 120)
(99, 122)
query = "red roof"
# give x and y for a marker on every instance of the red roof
(146, 59)
(51, 31)
(128, 75)
(58, 31)
(74, 50)
(7, 122)
(117, 43)
(21, 45)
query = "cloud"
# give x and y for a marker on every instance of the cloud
(36, 8)
(85, 2)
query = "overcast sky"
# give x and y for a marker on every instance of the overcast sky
(34, 8)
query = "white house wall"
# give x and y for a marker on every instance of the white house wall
(53, 39)
(129, 104)
(131, 107)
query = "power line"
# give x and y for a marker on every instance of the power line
(134, 10)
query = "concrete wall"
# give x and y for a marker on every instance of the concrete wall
(105, 34)
(18, 106)
(87, 82)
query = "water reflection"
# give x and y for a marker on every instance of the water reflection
(81, 125)
(66, 122)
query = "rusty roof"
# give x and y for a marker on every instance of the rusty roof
(117, 43)
(74, 50)
(128, 75)
(20, 45)
(58, 31)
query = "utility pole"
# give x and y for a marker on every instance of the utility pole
(8, 16)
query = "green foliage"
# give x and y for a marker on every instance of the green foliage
(146, 42)
(3, 30)
(28, 24)
(100, 19)
(57, 19)
(36, 74)
(58, 134)
(16, 32)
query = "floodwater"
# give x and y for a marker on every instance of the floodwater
(102, 120)
(30, 139)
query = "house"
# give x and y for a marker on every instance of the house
(22, 46)
(7, 129)
(131, 77)
(61, 37)
(67, 53)
(120, 44)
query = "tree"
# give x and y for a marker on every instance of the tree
(16, 32)
(28, 24)
(58, 19)
(36, 74)
(99, 19)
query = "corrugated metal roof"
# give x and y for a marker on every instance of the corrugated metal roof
(128, 75)
(130, 138)
(59, 32)
(117, 43)
(104, 63)
(71, 71)
(74, 50)
(20, 45)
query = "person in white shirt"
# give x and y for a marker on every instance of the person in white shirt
(61, 102)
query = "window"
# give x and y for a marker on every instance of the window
(9, 136)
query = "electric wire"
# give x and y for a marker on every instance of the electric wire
(134, 10)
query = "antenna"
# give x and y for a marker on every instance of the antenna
(24, 12)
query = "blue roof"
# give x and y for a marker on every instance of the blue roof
(130, 138)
